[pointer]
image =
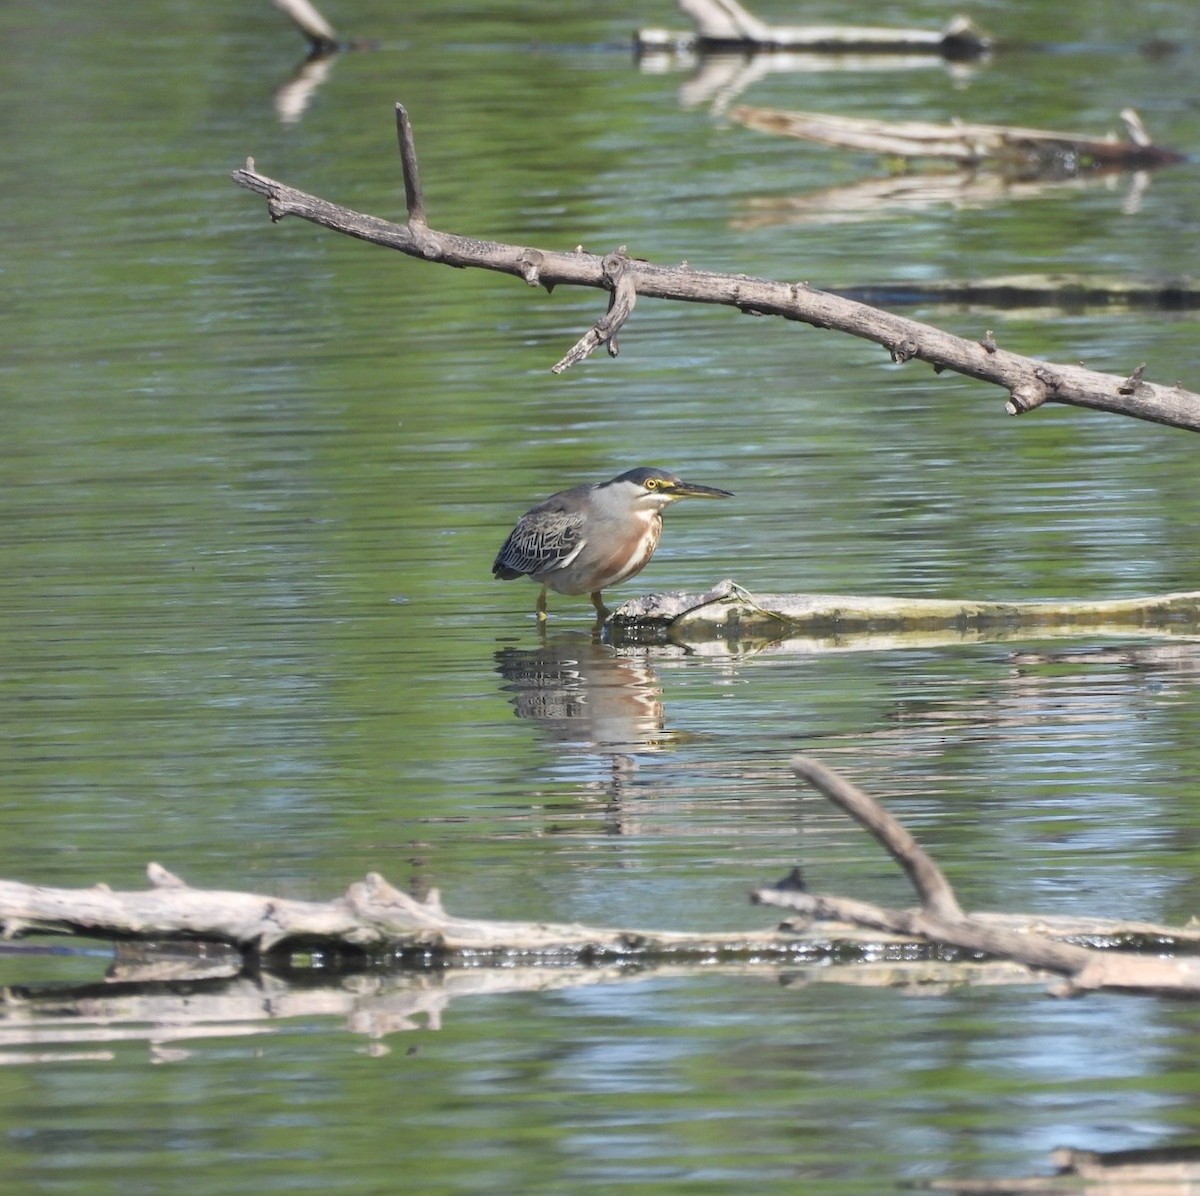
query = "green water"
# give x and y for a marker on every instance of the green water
(252, 478)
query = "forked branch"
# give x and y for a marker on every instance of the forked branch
(1024, 378)
(940, 920)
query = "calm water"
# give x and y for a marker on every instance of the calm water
(253, 478)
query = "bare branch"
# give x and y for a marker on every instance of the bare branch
(414, 200)
(908, 339)
(937, 897)
(941, 921)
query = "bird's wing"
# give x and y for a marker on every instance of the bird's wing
(543, 540)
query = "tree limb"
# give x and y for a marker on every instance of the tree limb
(940, 920)
(1027, 380)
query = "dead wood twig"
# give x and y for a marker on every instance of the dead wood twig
(904, 339)
(1082, 968)
(620, 303)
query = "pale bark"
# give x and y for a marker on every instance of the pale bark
(729, 611)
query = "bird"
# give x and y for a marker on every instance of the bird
(590, 537)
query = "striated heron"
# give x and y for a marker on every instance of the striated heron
(583, 540)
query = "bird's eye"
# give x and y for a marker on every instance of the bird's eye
(651, 483)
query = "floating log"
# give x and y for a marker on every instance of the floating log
(726, 25)
(730, 611)
(1034, 152)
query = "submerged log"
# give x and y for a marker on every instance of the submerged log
(729, 611)
(727, 25)
(1031, 152)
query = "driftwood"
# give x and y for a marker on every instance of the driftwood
(729, 611)
(172, 932)
(940, 919)
(1029, 382)
(1027, 152)
(726, 25)
(372, 918)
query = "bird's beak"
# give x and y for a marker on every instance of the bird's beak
(691, 490)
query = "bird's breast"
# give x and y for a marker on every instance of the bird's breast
(601, 570)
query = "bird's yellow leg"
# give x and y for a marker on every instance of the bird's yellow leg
(541, 606)
(602, 611)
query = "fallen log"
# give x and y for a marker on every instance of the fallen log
(371, 916)
(729, 611)
(1029, 382)
(1035, 153)
(727, 25)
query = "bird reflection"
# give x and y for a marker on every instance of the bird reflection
(580, 691)
(292, 98)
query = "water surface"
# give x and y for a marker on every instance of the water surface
(253, 480)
